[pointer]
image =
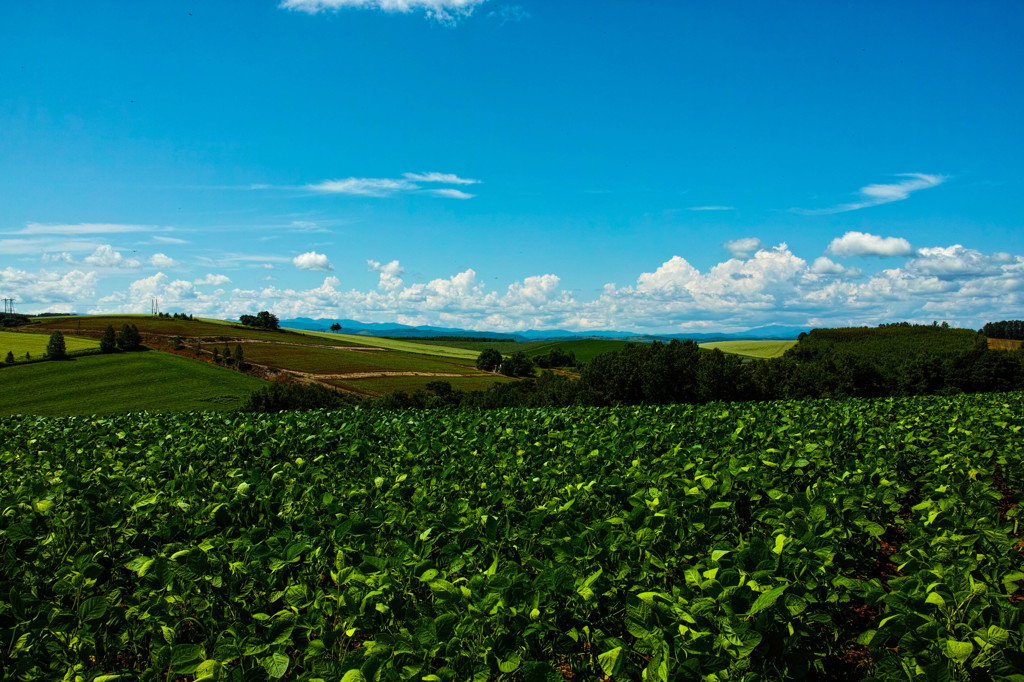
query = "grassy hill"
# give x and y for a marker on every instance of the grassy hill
(751, 349)
(123, 382)
(21, 343)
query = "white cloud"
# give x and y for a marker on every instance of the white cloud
(367, 187)
(386, 187)
(446, 178)
(742, 248)
(62, 257)
(160, 239)
(85, 228)
(159, 260)
(45, 288)
(957, 261)
(509, 13)
(445, 11)
(864, 244)
(711, 208)
(450, 193)
(306, 226)
(312, 261)
(106, 257)
(390, 274)
(212, 280)
(875, 195)
(825, 266)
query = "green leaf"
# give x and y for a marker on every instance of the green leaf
(959, 651)
(276, 664)
(611, 661)
(510, 665)
(356, 675)
(185, 658)
(93, 608)
(766, 600)
(935, 598)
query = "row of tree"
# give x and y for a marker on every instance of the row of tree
(1006, 329)
(898, 360)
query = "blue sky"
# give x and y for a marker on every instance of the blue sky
(648, 166)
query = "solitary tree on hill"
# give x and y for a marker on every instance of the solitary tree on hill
(108, 344)
(238, 356)
(56, 349)
(10, 357)
(129, 338)
(489, 360)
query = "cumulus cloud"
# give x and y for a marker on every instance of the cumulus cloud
(956, 261)
(62, 257)
(390, 274)
(212, 280)
(106, 257)
(875, 195)
(312, 261)
(864, 244)
(825, 266)
(742, 248)
(47, 287)
(444, 11)
(160, 260)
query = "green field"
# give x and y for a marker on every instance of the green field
(802, 540)
(341, 361)
(122, 382)
(21, 343)
(425, 348)
(752, 349)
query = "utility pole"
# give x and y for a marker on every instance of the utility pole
(156, 306)
(8, 306)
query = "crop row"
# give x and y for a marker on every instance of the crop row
(832, 539)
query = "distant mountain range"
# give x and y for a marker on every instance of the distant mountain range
(772, 331)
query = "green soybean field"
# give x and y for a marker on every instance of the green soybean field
(761, 541)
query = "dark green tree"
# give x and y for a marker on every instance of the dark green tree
(108, 343)
(56, 349)
(335, 327)
(129, 338)
(226, 354)
(10, 357)
(238, 356)
(216, 355)
(517, 365)
(489, 360)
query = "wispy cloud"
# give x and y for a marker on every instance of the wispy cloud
(367, 187)
(509, 13)
(449, 193)
(444, 11)
(446, 178)
(85, 228)
(160, 239)
(386, 187)
(876, 195)
(711, 208)
(864, 244)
